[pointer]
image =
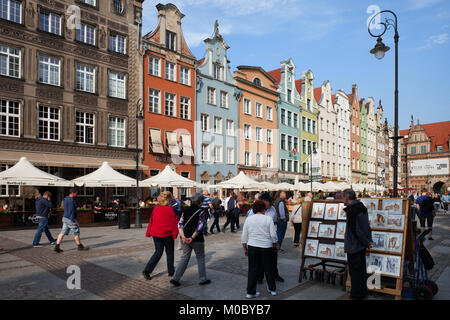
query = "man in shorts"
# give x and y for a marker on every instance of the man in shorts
(425, 206)
(70, 221)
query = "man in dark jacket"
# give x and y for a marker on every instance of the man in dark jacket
(43, 206)
(358, 238)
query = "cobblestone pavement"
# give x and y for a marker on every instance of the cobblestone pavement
(112, 268)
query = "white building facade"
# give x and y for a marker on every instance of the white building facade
(342, 107)
(371, 141)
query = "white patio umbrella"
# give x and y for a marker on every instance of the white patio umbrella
(304, 187)
(105, 176)
(285, 186)
(241, 181)
(169, 178)
(25, 174)
(330, 186)
(269, 186)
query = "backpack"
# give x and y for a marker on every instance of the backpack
(427, 205)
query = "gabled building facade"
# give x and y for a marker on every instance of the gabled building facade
(382, 160)
(363, 141)
(258, 123)
(327, 131)
(342, 107)
(169, 96)
(217, 112)
(355, 143)
(288, 122)
(371, 141)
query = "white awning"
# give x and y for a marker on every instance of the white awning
(105, 176)
(241, 181)
(172, 143)
(187, 146)
(155, 141)
(169, 178)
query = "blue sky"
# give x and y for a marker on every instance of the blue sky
(331, 38)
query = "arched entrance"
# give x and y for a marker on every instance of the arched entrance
(438, 187)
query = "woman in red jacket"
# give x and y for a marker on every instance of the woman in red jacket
(163, 227)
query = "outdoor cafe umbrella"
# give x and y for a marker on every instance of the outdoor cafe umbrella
(105, 176)
(169, 178)
(269, 186)
(241, 181)
(25, 174)
(285, 186)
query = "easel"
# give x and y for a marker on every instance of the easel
(407, 252)
(319, 270)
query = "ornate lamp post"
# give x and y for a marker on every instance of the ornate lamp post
(139, 116)
(379, 51)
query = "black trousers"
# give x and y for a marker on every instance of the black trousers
(230, 220)
(358, 274)
(274, 268)
(216, 222)
(297, 229)
(236, 214)
(258, 257)
(161, 244)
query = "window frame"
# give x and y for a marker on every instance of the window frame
(11, 56)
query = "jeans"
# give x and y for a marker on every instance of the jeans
(167, 243)
(437, 206)
(216, 222)
(68, 226)
(445, 206)
(199, 249)
(258, 257)
(413, 212)
(297, 229)
(358, 274)
(281, 231)
(43, 227)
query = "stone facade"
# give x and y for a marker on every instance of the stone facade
(371, 141)
(342, 107)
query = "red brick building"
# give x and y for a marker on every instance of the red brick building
(355, 146)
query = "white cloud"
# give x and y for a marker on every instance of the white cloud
(421, 4)
(435, 40)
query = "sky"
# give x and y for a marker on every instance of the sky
(331, 38)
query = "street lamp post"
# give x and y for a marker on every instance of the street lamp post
(139, 115)
(379, 51)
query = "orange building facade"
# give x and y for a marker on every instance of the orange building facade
(169, 96)
(355, 132)
(258, 124)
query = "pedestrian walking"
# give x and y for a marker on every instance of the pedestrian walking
(250, 211)
(217, 206)
(70, 222)
(163, 227)
(230, 207)
(426, 214)
(358, 238)
(43, 207)
(437, 202)
(208, 208)
(296, 222)
(191, 232)
(282, 216)
(259, 239)
(237, 214)
(445, 200)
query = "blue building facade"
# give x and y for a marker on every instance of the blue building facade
(288, 110)
(216, 128)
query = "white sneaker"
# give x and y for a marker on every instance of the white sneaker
(251, 296)
(273, 293)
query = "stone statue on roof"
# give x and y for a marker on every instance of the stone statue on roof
(216, 29)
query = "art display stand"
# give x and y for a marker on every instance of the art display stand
(327, 269)
(392, 284)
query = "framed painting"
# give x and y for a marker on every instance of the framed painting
(379, 240)
(379, 219)
(326, 251)
(393, 206)
(395, 221)
(311, 247)
(392, 265)
(340, 230)
(339, 253)
(313, 229)
(371, 204)
(342, 215)
(318, 210)
(394, 242)
(331, 211)
(375, 263)
(327, 230)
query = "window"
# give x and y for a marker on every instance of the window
(205, 152)
(89, 2)
(154, 66)
(269, 161)
(247, 106)
(86, 34)
(11, 10)
(218, 154)
(258, 110)
(185, 108)
(230, 127)
(309, 147)
(217, 125)
(9, 118)
(322, 145)
(289, 165)
(439, 148)
(423, 149)
(117, 43)
(283, 164)
(118, 6)
(49, 70)
(116, 132)
(269, 113)
(230, 155)
(283, 116)
(258, 159)
(10, 61)
(309, 125)
(211, 96)
(247, 131)
(50, 22)
(154, 100)
(334, 148)
(170, 40)
(204, 119)
(224, 99)
(304, 167)
(257, 81)
(289, 118)
(303, 123)
(247, 158)
(170, 71)
(328, 126)
(328, 147)
(289, 143)
(85, 78)
(295, 168)
(295, 144)
(305, 151)
(117, 85)
(185, 76)
(269, 137)
(283, 141)
(218, 72)
(289, 95)
(258, 134)
(48, 124)
(308, 104)
(413, 150)
(170, 105)
(314, 126)
(295, 124)
(84, 128)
